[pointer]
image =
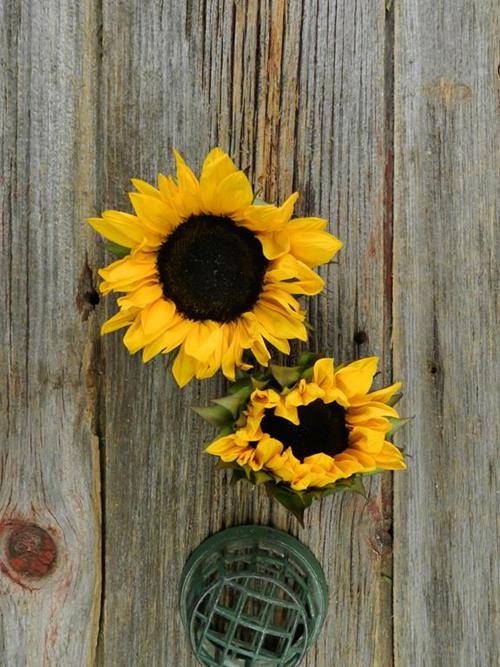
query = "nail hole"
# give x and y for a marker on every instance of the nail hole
(93, 297)
(360, 337)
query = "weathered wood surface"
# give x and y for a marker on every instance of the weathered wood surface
(49, 472)
(447, 546)
(302, 94)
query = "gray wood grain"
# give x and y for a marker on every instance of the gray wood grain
(296, 92)
(446, 586)
(49, 462)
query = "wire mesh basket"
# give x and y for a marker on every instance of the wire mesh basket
(252, 596)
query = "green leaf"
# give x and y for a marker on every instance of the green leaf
(215, 414)
(116, 249)
(232, 403)
(260, 202)
(286, 375)
(397, 423)
(395, 398)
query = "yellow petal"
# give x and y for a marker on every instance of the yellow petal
(323, 374)
(266, 449)
(142, 296)
(286, 411)
(265, 398)
(189, 188)
(309, 244)
(120, 320)
(202, 339)
(361, 415)
(356, 378)
(292, 275)
(122, 228)
(279, 323)
(268, 217)
(134, 338)
(184, 368)
(154, 213)
(145, 188)
(274, 244)
(129, 270)
(233, 194)
(383, 395)
(390, 458)
(366, 439)
(304, 393)
(156, 317)
(227, 447)
(366, 461)
(260, 351)
(167, 340)
(216, 168)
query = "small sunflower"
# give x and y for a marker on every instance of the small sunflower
(209, 272)
(309, 430)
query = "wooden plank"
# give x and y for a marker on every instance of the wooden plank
(295, 91)
(447, 543)
(49, 466)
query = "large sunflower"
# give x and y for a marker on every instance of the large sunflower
(209, 272)
(323, 428)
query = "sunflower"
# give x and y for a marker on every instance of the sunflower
(208, 271)
(322, 431)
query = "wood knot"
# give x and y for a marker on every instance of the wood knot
(31, 551)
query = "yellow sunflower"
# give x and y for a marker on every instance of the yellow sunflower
(328, 426)
(209, 272)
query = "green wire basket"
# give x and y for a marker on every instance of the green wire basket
(252, 596)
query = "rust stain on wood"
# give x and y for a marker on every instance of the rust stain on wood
(30, 550)
(447, 92)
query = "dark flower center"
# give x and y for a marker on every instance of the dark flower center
(322, 428)
(211, 268)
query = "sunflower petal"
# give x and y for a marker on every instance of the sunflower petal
(184, 368)
(145, 188)
(122, 319)
(268, 218)
(217, 166)
(356, 378)
(232, 195)
(122, 228)
(189, 188)
(274, 244)
(128, 271)
(154, 213)
(142, 296)
(310, 244)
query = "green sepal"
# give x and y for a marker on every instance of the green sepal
(259, 202)
(308, 373)
(259, 383)
(286, 376)
(295, 502)
(395, 398)
(233, 403)
(255, 477)
(116, 249)
(396, 424)
(353, 483)
(225, 430)
(307, 359)
(215, 414)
